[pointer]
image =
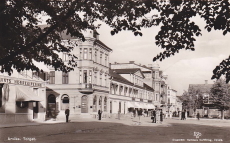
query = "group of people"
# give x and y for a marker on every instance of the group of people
(157, 116)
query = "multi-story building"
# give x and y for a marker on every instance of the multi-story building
(22, 97)
(151, 74)
(128, 91)
(172, 99)
(84, 90)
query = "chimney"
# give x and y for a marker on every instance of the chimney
(131, 62)
(206, 82)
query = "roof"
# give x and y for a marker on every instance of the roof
(119, 78)
(128, 71)
(204, 88)
(148, 87)
(98, 42)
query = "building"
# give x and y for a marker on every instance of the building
(208, 108)
(84, 90)
(22, 97)
(172, 100)
(129, 92)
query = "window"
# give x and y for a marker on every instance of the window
(90, 54)
(105, 60)
(95, 78)
(85, 76)
(65, 102)
(85, 53)
(95, 56)
(105, 80)
(80, 77)
(35, 91)
(101, 58)
(65, 57)
(80, 54)
(65, 78)
(101, 79)
(90, 76)
(52, 77)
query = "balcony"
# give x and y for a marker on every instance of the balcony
(86, 88)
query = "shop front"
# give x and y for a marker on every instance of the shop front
(22, 100)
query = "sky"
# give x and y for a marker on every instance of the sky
(184, 68)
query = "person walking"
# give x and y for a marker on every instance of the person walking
(139, 115)
(198, 116)
(161, 117)
(119, 115)
(67, 114)
(99, 114)
(155, 116)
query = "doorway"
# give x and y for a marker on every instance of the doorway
(84, 104)
(51, 108)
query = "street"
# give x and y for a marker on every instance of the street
(121, 131)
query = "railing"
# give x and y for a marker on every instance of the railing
(87, 85)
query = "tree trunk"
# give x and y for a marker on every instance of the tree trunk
(222, 114)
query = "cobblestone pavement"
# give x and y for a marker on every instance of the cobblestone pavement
(112, 130)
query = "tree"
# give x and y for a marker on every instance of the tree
(221, 96)
(21, 44)
(192, 99)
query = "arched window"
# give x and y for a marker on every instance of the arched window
(64, 102)
(52, 99)
(105, 104)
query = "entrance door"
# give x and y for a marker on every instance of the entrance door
(84, 104)
(35, 110)
(51, 108)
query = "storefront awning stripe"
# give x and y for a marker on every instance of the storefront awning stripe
(23, 93)
(129, 105)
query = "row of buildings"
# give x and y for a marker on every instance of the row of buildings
(94, 84)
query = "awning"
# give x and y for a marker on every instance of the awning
(130, 104)
(137, 105)
(24, 93)
(151, 106)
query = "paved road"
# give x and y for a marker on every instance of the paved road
(121, 131)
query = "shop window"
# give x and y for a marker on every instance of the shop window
(65, 102)
(65, 78)
(105, 104)
(22, 104)
(52, 77)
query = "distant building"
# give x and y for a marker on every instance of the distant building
(209, 109)
(128, 91)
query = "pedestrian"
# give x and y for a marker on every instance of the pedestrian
(182, 115)
(161, 117)
(119, 115)
(153, 116)
(198, 116)
(139, 114)
(99, 114)
(67, 114)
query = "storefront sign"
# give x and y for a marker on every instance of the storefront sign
(19, 82)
